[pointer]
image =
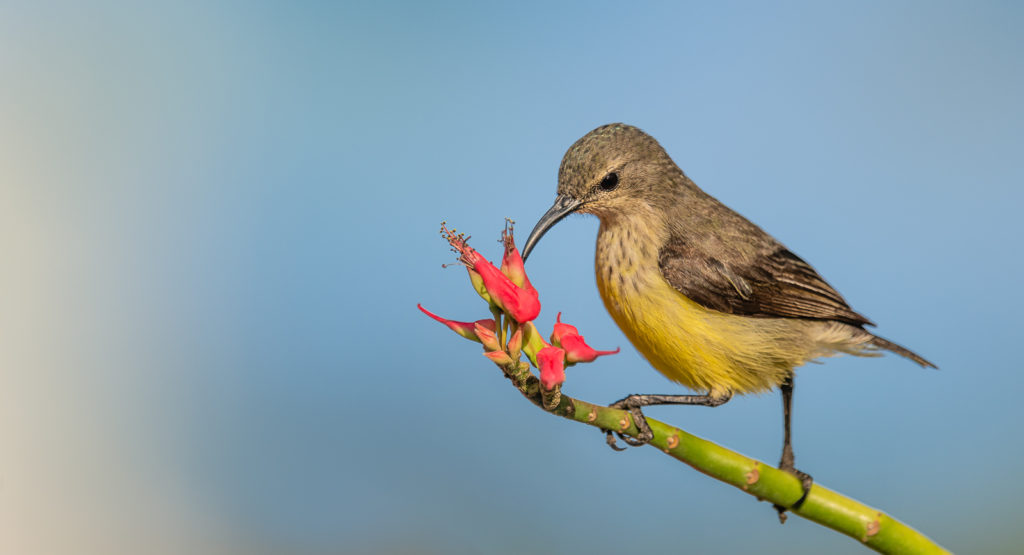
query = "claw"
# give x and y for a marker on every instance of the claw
(609, 437)
(633, 442)
(645, 434)
(806, 481)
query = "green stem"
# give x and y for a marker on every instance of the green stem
(499, 324)
(831, 509)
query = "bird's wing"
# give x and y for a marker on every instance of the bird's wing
(773, 282)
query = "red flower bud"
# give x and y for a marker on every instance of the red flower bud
(576, 350)
(486, 334)
(552, 367)
(469, 330)
(499, 357)
(512, 261)
(515, 343)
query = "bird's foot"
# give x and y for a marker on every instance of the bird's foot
(806, 481)
(645, 435)
(633, 403)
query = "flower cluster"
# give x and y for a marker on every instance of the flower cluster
(514, 304)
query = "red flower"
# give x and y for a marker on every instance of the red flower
(510, 290)
(520, 303)
(576, 350)
(552, 367)
(479, 331)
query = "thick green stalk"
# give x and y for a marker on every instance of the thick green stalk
(869, 526)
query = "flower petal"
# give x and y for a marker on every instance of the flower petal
(465, 329)
(576, 349)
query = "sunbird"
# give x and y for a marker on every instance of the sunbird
(708, 298)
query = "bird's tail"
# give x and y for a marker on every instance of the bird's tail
(883, 343)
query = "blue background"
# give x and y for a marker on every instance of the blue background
(216, 220)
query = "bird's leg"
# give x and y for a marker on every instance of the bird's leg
(787, 461)
(633, 403)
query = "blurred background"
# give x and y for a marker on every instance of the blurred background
(216, 219)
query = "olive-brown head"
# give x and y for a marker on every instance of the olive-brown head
(609, 171)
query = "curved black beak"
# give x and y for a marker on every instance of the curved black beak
(563, 206)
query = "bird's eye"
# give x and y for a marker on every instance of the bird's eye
(609, 182)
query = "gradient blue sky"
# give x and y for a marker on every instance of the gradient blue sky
(216, 220)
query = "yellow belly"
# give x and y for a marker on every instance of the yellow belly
(702, 349)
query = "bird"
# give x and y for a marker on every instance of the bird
(711, 300)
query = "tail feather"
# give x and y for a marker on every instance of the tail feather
(883, 343)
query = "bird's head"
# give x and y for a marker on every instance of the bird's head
(609, 171)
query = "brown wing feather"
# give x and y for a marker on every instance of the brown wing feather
(774, 283)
